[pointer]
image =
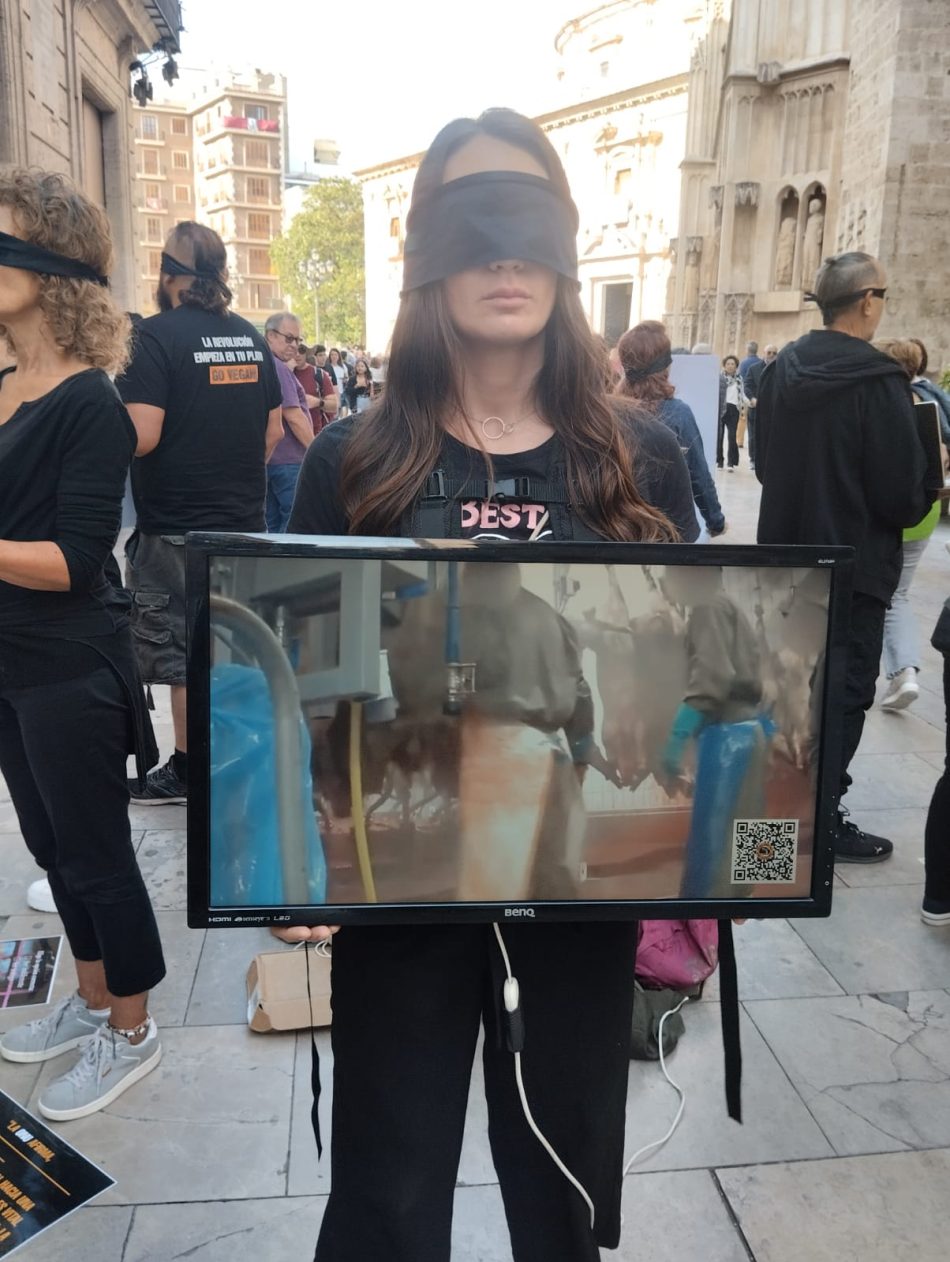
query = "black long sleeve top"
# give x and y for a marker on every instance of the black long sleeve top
(63, 464)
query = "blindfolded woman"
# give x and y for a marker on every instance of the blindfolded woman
(495, 423)
(71, 708)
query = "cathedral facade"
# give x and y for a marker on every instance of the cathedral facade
(719, 149)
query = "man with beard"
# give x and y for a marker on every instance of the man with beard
(204, 398)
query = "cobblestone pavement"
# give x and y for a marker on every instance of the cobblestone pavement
(845, 1152)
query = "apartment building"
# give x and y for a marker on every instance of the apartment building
(65, 74)
(218, 158)
(164, 189)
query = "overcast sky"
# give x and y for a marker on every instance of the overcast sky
(386, 76)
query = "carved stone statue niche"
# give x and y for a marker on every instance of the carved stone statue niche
(813, 238)
(694, 251)
(671, 278)
(785, 246)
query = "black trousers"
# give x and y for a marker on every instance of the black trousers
(937, 835)
(63, 753)
(750, 433)
(864, 663)
(728, 424)
(407, 1006)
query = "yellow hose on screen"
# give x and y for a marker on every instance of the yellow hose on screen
(356, 803)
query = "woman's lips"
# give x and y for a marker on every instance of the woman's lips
(507, 294)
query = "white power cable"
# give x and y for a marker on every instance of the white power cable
(658, 1143)
(511, 1001)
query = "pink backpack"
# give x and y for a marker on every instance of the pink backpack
(676, 954)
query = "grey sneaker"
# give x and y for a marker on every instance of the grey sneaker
(108, 1065)
(59, 1031)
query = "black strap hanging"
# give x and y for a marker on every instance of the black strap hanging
(729, 1008)
(314, 1064)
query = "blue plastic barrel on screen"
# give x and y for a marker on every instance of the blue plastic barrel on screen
(245, 839)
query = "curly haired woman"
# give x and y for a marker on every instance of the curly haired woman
(71, 708)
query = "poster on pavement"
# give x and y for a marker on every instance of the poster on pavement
(28, 971)
(42, 1178)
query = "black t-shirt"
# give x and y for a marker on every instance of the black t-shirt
(63, 463)
(662, 479)
(213, 376)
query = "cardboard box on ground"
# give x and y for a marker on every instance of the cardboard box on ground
(277, 996)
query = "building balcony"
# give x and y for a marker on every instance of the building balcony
(149, 205)
(237, 123)
(166, 14)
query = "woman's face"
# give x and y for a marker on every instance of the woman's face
(731, 366)
(509, 301)
(361, 367)
(19, 290)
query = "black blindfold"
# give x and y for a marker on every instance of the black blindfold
(172, 267)
(33, 258)
(658, 364)
(479, 219)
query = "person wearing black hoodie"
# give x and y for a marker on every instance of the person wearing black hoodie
(840, 463)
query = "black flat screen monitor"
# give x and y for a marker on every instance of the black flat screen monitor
(383, 730)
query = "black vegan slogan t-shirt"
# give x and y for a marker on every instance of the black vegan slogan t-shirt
(662, 479)
(214, 378)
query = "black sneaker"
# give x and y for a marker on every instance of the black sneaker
(162, 787)
(935, 911)
(853, 845)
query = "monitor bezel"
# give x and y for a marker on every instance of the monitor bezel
(201, 546)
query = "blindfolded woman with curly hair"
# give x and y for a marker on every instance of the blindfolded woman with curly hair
(71, 708)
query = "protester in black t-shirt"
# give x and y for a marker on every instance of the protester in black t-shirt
(71, 705)
(491, 357)
(204, 398)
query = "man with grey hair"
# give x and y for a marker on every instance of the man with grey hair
(749, 360)
(282, 331)
(840, 463)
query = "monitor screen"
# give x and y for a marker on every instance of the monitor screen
(389, 730)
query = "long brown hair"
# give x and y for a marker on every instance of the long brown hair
(640, 347)
(397, 444)
(201, 248)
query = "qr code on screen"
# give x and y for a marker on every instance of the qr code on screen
(764, 851)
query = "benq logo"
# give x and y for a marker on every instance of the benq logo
(519, 911)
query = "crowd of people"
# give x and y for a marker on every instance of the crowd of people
(494, 374)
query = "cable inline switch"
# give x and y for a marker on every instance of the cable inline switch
(514, 1017)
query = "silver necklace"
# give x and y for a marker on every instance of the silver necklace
(495, 428)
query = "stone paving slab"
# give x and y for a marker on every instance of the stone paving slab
(161, 859)
(95, 1233)
(777, 1126)
(857, 1209)
(875, 941)
(890, 781)
(211, 1122)
(774, 963)
(219, 993)
(873, 1070)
